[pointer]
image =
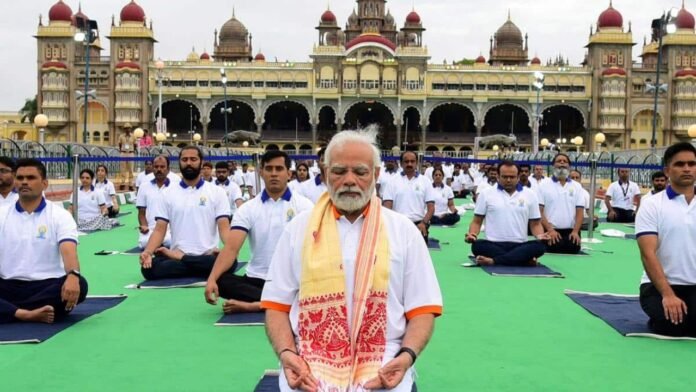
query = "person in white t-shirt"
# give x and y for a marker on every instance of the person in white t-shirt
(538, 174)
(316, 187)
(232, 190)
(207, 171)
(388, 172)
(302, 171)
(576, 176)
(446, 213)
(102, 183)
(140, 178)
(665, 229)
(659, 184)
(148, 197)
(92, 214)
(490, 180)
(322, 274)
(448, 169)
(8, 194)
(262, 220)
(197, 212)
(509, 210)
(40, 279)
(621, 197)
(248, 181)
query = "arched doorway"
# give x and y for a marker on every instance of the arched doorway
(451, 122)
(561, 122)
(367, 113)
(287, 120)
(182, 117)
(272, 147)
(327, 124)
(412, 131)
(508, 119)
(97, 121)
(289, 148)
(240, 116)
(642, 128)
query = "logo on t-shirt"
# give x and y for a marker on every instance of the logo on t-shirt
(41, 232)
(202, 202)
(521, 202)
(290, 214)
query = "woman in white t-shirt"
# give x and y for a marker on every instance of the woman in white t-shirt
(445, 211)
(107, 187)
(91, 206)
(302, 176)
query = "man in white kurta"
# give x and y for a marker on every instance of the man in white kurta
(413, 296)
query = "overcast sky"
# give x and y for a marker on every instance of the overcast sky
(284, 29)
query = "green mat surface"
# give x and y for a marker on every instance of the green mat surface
(497, 334)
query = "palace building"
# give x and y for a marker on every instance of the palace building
(375, 68)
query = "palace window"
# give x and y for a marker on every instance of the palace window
(481, 87)
(369, 84)
(258, 84)
(272, 84)
(327, 83)
(389, 84)
(350, 84)
(438, 86)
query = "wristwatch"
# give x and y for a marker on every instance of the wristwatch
(75, 272)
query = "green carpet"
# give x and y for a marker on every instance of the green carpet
(497, 333)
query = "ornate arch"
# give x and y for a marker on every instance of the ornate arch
(471, 109)
(644, 108)
(575, 106)
(409, 106)
(526, 108)
(319, 107)
(244, 100)
(346, 108)
(195, 103)
(268, 104)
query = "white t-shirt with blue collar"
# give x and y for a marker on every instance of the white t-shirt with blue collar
(560, 202)
(11, 198)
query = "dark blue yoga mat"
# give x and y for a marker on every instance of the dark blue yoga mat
(242, 319)
(621, 312)
(15, 333)
(177, 283)
(124, 214)
(538, 271)
(269, 383)
(434, 244)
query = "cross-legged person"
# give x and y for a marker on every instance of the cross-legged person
(621, 196)
(262, 220)
(446, 213)
(509, 210)
(141, 177)
(40, 278)
(102, 184)
(196, 211)
(149, 194)
(562, 205)
(92, 214)
(8, 194)
(411, 194)
(359, 269)
(666, 228)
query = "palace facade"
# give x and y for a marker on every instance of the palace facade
(375, 68)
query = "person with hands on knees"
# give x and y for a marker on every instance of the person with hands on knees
(358, 267)
(40, 278)
(666, 229)
(148, 195)
(621, 198)
(562, 206)
(446, 213)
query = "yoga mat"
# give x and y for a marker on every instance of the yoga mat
(130, 252)
(581, 254)
(241, 319)
(15, 333)
(631, 236)
(434, 244)
(538, 271)
(621, 312)
(269, 383)
(176, 283)
(124, 214)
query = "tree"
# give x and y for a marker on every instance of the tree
(29, 110)
(465, 62)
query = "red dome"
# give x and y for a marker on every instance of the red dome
(60, 12)
(132, 12)
(127, 64)
(685, 20)
(413, 17)
(54, 64)
(377, 39)
(328, 17)
(685, 73)
(205, 56)
(610, 18)
(536, 61)
(260, 57)
(480, 59)
(614, 71)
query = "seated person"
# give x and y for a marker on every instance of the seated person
(562, 203)
(196, 210)
(92, 214)
(621, 197)
(232, 190)
(40, 277)
(103, 184)
(665, 230)
(262, 219)
(149, 193)
(490, 180)
(508, 209)
(446, 213)
(659, 183)
(576, 176)
(8, 193)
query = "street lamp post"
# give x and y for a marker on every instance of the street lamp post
(539, 86)
(159, 65)
(665, 25)
(225, 109)
(191, 131)
(544, 143)
(196, 138)
(87, 34)
(41, 121)
(599, 138)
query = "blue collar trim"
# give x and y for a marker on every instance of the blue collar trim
(226, 183)
(671, 193)
(200, 183)
(166, 182)
(286, 196)
(442, 185)
(519, 187)
(38, 210)
(403, 173)
(317, 179)
(555, 179)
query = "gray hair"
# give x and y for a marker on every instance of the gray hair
(366, 136)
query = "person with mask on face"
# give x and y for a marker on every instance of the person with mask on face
(621, 197)
(562, 204)
(232, 190)
(140, 178)
(302, 176)
(509, 210)
(357, 268)
(148, 196)
(197, 211)
(386, 175)
(659, 183)
(102, 184)
(8, 194)
(207, 171)
(315, 188)
(262, 220)
(411, 194)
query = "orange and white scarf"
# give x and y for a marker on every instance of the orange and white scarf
(341, 356)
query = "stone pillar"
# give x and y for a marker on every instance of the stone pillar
(204, 123)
